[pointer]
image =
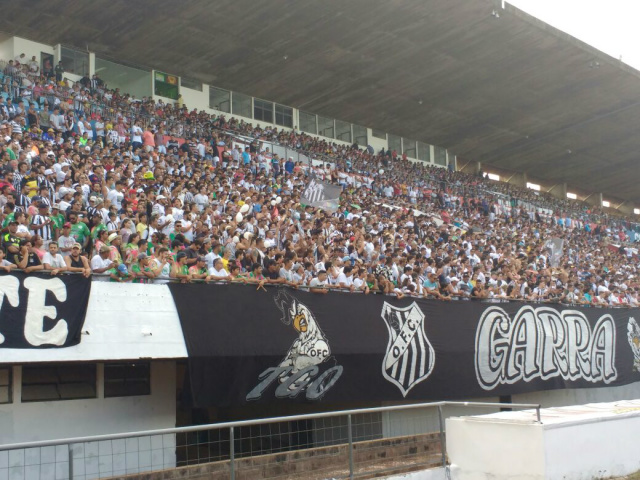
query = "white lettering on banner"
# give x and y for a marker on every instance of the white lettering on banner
(9, 287)
(37, 309)
(541, 342)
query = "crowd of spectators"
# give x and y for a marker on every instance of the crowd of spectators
(95, 181)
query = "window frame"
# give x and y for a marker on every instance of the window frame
(392, 139)
(281, 111)
(422, 149)
(215, 106)
(241, 98)
(260, 110)
(436, 154)
(191, 84)
(108, 366)
(308, 117)
(322, 129)
(65, 52)
(378, 134)
(57, 368)
(360, 132)
(9, 385)
(414, 150)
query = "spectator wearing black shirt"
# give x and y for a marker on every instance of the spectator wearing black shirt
(27, 259)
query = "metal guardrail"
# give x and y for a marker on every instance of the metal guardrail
(342, 444)
(104, 277)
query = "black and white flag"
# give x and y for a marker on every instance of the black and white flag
(555, 246)
(321, 195)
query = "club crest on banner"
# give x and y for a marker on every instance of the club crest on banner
(410, 357)
(298, 371)
(633, 334)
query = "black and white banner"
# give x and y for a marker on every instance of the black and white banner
(42, 311)
(285, 345)
(321, 195)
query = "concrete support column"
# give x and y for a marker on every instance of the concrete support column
(519, 179)
(559, 191)
(625, 208)
(471, 167)
(594, 199)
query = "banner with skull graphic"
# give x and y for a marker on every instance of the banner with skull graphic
(249, 346)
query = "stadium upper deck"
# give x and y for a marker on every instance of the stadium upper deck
(506, 90)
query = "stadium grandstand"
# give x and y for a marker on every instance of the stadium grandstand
(457, 220)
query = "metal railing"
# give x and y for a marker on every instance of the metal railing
(339, 444)
(161, 280)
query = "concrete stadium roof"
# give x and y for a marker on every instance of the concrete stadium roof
(511, 92)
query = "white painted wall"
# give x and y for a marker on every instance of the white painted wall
(30, 48)
(431, 474)
(73, 418)
(598, 449)
(6, 49)
(572, 443)
(25, 422)
(496, 451)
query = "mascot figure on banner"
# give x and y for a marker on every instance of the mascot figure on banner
(633, 334)
(311, 347)
(299, 372)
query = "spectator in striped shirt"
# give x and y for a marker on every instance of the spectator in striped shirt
(42, 225)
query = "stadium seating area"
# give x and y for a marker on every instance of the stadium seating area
(100, 183)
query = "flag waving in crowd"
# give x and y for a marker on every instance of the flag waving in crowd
(321, 195)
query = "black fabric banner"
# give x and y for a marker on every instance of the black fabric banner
(286, 345)
(42, 311)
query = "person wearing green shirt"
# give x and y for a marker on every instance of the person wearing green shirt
(79, 230)
(10, 217)
(95, 232)
(180, 268)
(57, 219)
(141, 270)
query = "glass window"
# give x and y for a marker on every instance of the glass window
(284, 116)
(308, 123)
(166, 85)
(424, 152)
(343, 131)
(220, 99)
(263, 110)
(191, 83)
(131, 80)
(440, 156)
(409, 148)
(325, 126)
(75, 61)
(395, 143)
(6, 391)
(379, 134)
(241, 104)
(127, 379)
(360, 135)
(58, 382)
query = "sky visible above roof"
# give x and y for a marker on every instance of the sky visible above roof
(609, 26)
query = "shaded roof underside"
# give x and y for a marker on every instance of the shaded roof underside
(511, 92)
